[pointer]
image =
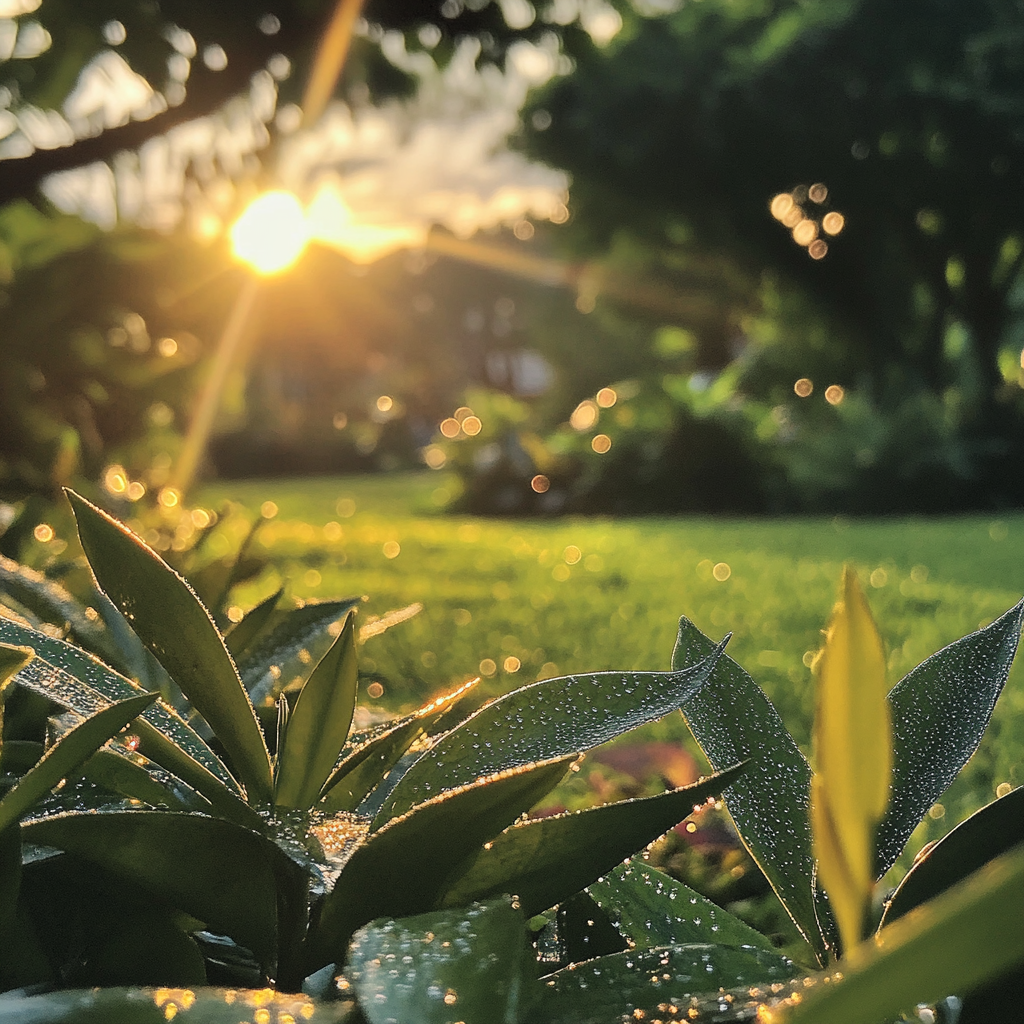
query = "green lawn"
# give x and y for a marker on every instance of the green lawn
(499, 593)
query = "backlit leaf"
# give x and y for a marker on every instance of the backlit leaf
(79, 682)
(634, 985)
(949, 945)
(853, 758)
(734, 721)
(653, 909)
(293, 647)
(171, 621)
(402, 868)
(68, 754)
(245, 632)
(473, 964)
(993, 830)
(940, 711)
(318, 724)
(547, 719)
(546, 860)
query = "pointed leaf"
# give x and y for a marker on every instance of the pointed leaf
(949, 945)
(12, 660)
(853, 758)
(473, 964)
(137, 778)
(246, 631)
(551, 718)
(733, 721)
(402, 868)
(287, 655)
(349, 786)
(52, 603)
(939, 712)
(170, 620)
(635, 985)
(545, 861)
(81, 683)
(993, 830)
(318, 724)
(224, 875)
(69, 753)
(650, 908)
(366, 763)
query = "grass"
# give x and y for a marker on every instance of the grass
(515, 600)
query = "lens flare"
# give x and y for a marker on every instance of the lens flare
(271, 234)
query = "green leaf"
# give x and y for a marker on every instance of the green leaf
(548, 719)
(12, 660)
(152, 1006)
(246, 631)
(650, 908)
(369, 758)
(52, 603)
(939, 712)
(402, 868)
(547, 860)
(733, 721)
(287, 655)
(951, 944)
(69, 753)
(223, 874)
(473, 965)
(137, 778)
(318, 724)
(993, 830)
(174, 625)
(368, 765)
(80, 683)
(636, 984)
(10, 884)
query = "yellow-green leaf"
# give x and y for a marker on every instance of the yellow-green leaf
(853, 758)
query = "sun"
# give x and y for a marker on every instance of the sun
(271, 234)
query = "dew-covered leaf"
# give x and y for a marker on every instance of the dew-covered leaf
(733, 721)
(245, 632)
(154, 1006)
(52, 603)
(171, 621)
(134, 659)
(293, 647)
(650, 908)
(402, 868)
(77, 681)
(69, 753)
(637, 984)
(963, 938)
(318, 724)
(138, 778)
(939, 712)
(223, 874)
(473, 965)
(993, 830)
(367, 759)
(353, 782)
(12, 660)
(546, 860)
(548, 719)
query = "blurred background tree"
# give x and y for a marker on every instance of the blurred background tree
(794, 251)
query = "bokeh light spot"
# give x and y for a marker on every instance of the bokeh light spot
(834, 394)
(607, 397)
(450, 427)
(584, 416)
(540, 483)
(721, 571)
(804, 387)
(601, 443)
(833, 222)
(818, 249)
(472, 426)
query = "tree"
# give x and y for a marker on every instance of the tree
(910, 115)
